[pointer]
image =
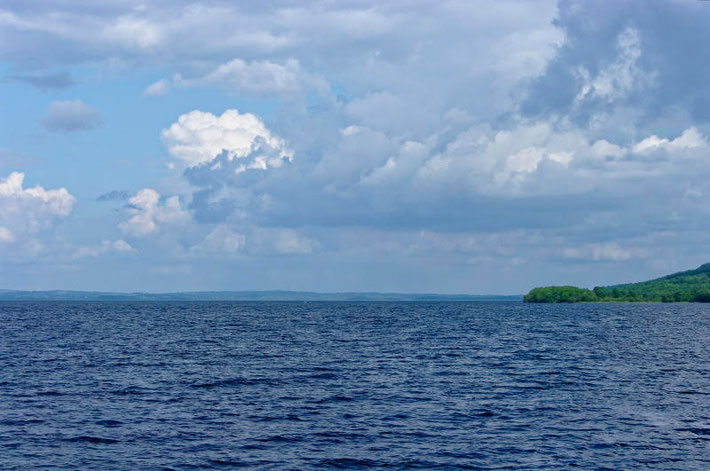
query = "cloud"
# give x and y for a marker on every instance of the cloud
(690, 139)
(28, 211)
(290, 242)
(225, 241)
(620, 61)
(115, 195)
(69, 116)
(159, 88)
(387, 112)
(610, 251)
(50, 81)
(275, 241)
(403, 164)
(503, 162)
(148, 214)
(189, 33)
(376, 134)
(259, 77)
(221, 241)
(134, 33)
(544, 158)
(5, 235)
(621, 76)
(119, 247)
(199, 137)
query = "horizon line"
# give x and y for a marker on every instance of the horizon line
(275, 294)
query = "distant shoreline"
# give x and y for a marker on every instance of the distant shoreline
(277, 295)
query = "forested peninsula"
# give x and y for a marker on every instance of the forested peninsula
(686, 286)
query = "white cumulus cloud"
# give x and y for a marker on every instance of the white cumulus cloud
(690, 139)
(198, 137)
(29, 210)
(148, 213)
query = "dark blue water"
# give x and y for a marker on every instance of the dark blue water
(354, 386)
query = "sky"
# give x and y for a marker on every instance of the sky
(454, 146)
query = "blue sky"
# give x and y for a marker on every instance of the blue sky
(452, 147)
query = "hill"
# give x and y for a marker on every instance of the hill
(686, 286)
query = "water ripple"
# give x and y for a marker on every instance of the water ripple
(197, 385)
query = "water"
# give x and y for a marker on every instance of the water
(354, 386)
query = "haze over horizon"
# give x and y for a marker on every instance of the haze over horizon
(429, 147)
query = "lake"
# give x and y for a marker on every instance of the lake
(279, 385)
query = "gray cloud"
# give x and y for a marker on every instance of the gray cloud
(671, 67)
(495, 136)
(115, 195)
(394, 152)
(69, 116)
(50, 81)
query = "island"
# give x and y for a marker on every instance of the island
(687, 286)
